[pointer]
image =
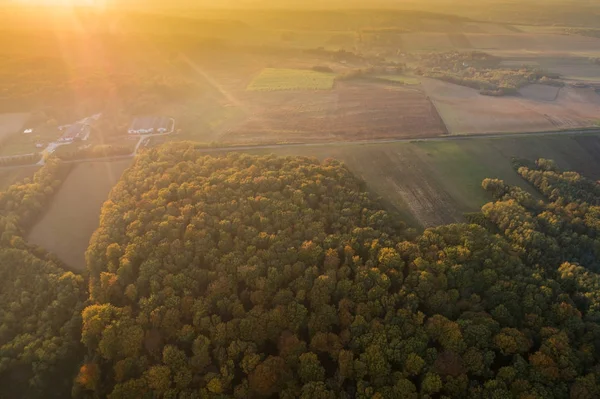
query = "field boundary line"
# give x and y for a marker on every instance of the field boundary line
(456, 137)
(408, 140)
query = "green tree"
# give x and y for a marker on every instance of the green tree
(310, 368)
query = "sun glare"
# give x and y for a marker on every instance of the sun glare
(63, 3)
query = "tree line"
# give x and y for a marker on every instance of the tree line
(483, 72)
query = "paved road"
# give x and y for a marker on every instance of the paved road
(338, 143)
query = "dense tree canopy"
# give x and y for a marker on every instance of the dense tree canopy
(35, 80)
(40, 303)
(40, 322)
(240, 276)
(23, 202)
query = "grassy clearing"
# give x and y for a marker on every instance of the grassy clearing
(11, 123)
(18, 147)
(68, 224)
(19, 143)
(275, 79)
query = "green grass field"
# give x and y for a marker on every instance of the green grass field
(20, 144)
(275, 79)
(74, 214)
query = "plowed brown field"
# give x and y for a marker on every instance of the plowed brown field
(538, 108)
(351, 111)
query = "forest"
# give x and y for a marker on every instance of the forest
(238, 276)
(482, 71)
(40, 302)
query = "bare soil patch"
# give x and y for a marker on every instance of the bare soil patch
(350, 112)
(430, 41)
(527, 43)
(503, 41)
(437, 25)
(538, 92)
(472, 27)
(465, 111)
(460, 40)
(495, 29)
(74, 214)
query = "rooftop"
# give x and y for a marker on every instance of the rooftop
(150, 123)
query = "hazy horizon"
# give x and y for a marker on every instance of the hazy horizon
(274, 4)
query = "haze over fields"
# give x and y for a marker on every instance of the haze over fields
(300, 199)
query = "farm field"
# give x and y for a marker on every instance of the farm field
(541, 44)
(274, 79)
(251, 112)
(501, 41)
(427, 182)
(10, 176)
(20, 144)
(351, 111)
(539, 92)
(491, 28)
(436, 182)
(426, 41)
(570, 68)
(465, 111)
(407, 80)
(11, 123)
(73, 216)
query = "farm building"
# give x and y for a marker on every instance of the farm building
(80, 130)
(75, 131)
(142, 125)
(165, 125)
(151, 125)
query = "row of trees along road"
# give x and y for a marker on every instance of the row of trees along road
(241, 276)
